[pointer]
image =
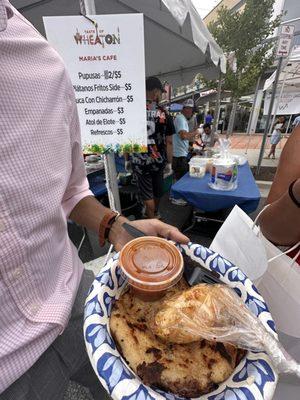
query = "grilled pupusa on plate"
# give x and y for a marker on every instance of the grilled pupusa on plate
(188, 370)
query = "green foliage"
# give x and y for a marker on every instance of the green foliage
(247, 33)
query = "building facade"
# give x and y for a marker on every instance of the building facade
(233, 5)
(289, 8)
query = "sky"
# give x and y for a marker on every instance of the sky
(205, 6)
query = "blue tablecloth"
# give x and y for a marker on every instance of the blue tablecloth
(97, 183)
(97, 179)
(197, 192)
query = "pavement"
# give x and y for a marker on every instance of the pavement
(253, 141)
(77, 392)
(249, 145)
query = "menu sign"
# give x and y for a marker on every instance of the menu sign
(104, 55)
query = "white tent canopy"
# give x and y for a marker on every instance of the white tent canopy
(290, 73)
(177, 43)
(287, 98)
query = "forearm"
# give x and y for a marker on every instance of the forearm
(169, 149)
(190, 136)
(195, 134)
(280, 222)
(89, 213)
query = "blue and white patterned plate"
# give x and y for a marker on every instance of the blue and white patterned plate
(253, 379)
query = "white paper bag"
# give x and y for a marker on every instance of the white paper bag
(275, 274)
(238, 240)
(280, 287)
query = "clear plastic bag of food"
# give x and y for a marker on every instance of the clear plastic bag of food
(217, 313)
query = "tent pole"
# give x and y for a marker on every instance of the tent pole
(252, 113)
(266, 131)
(218, 101)
(255, 115)
(88, 7)
(289, 123)
(278, 100)
(253, 105)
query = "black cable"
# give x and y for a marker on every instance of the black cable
(89, 19)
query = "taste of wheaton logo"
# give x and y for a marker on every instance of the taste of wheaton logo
(95, 37)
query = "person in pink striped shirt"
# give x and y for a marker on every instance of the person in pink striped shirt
(42, 184)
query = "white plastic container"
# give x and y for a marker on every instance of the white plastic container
(224, 174)
(197, 167)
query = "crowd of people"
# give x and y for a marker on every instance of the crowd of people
(169, 145)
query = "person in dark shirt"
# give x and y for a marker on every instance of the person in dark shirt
(209, 118)
(149, 167)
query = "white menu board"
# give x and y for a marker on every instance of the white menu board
(104, 56)
(289, 102)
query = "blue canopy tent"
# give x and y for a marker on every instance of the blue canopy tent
(176, 107)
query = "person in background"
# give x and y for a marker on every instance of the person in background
(209, 118)
(200, 118)
(168, 139)
(182, 138)
(278, 128)
(280, 222)
(43, 283)
(220, 126)
(221, 122)
(296, 121)
(149, 167)
(226, 123)
(208, 137)
(193, 123)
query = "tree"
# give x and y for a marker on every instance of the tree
(247, 33)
